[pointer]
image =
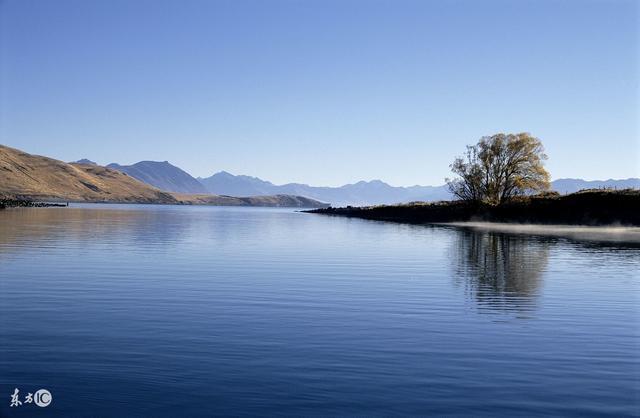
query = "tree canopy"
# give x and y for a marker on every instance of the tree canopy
(500, 167)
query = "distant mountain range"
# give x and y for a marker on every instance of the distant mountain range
(361, 193)
(573, 185)
(34, 177)
(168, 177)
(162, 175)
(84, 161)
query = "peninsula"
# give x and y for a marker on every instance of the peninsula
(586, 207)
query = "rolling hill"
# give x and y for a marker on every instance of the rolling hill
(35, 177)
(288, 201)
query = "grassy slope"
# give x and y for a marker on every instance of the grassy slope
(35, 177)
(589, 207)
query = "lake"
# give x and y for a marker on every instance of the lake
(170, 311)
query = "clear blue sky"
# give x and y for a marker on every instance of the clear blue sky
(323, 92)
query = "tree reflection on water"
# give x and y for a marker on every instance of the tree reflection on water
(500, 271)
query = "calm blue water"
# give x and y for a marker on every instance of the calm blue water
(194, 311)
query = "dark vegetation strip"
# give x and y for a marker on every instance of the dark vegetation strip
(587, 207)
(25, 203)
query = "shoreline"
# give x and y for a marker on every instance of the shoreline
(277, 201)
(585, 208)
(25, 203)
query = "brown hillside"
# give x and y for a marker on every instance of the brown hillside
(29, 176)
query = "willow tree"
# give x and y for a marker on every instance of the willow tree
(500, 167)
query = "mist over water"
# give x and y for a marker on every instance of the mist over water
(614, 233)
(182, 311)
